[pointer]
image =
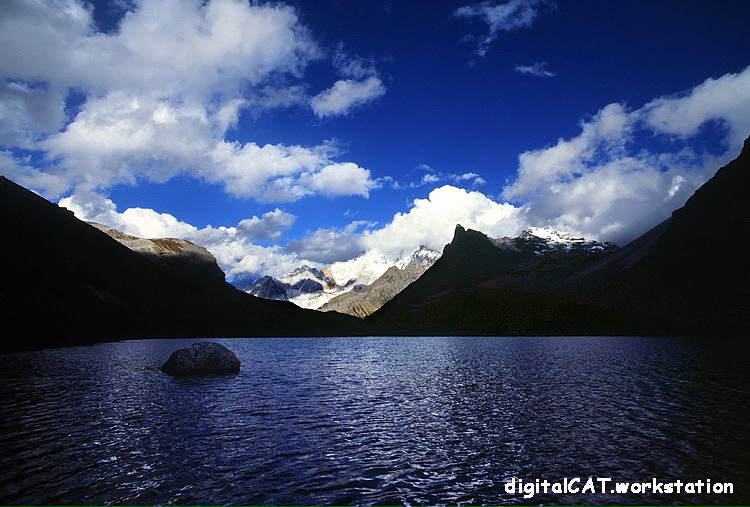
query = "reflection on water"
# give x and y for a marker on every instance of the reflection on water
(373, 421)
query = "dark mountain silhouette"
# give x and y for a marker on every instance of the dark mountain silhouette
(690, 271)
(66, 282)
(686, 276)
(482, 286)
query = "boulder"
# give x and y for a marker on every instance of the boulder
(202, 358)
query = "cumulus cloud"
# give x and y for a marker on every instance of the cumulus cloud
(431, 221)
(726, 99)
(345, 95)
(506, 17)
(159, 92)
(604, 184)
(268, 227)
(538, 69)
(331, 244)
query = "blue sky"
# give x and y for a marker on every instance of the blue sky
(308, 131)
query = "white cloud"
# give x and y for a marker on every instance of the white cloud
(726, 99)
(160, 93)
(507, 17)
(28, 113)
(603, 184)
(340, 179)
(430, 178)
(433, 177)
(163, 48)
(538, 69)
(327, 245)
(352, 66)
(431, 221)
(346, 94)
(20, 170)
(269, 226)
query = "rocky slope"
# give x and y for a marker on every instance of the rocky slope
(184, 258)
(363, 301)
(314, 288)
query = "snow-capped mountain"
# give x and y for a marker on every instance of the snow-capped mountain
(544, 240)
(306, 279)
(365, 301)
(361, 270)
(312, 288)
(421, 257)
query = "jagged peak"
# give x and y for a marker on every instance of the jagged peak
(552, 235)
(548, 239)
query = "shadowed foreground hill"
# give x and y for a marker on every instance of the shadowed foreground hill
(687, 276)
(66, 282)
(691, 270)
(482, 286)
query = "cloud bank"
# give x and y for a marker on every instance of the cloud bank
(602, 184)
(156, 97)
(628, 169)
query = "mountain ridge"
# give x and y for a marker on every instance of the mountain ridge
(66, 282)
(686, 276)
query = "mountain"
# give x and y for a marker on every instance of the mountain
(188, 260)
(363, 301)
(314, 288)
(482, 285)
(687, 276)
(690, 271)
(268, 287)
(66, 282)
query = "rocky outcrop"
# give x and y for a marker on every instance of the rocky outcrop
(364, 284)
(269, 288)
(202, 358)
(184, 258)
(366, 300)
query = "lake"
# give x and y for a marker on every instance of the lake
(443, 420)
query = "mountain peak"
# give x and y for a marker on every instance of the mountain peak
(546, 239)
(551, 235)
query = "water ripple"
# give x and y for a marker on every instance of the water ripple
(372, 421)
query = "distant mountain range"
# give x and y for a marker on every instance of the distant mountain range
(358, 286)
(354, 287)
(66, 282)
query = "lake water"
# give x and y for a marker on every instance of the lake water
(374, 421)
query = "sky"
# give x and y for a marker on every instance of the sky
(305, 132)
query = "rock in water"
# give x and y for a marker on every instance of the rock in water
(202, 358)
